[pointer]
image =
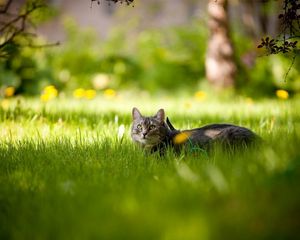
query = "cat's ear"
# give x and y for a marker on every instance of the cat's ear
(136, 113)
(160, 115)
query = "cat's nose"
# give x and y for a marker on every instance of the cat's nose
(144, 134)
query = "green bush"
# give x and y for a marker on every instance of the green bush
(26, 70)
(159, 60)
(171, 59)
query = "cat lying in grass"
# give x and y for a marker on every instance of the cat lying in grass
(157, 134)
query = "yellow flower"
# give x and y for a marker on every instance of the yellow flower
(49, 93)
(49, 88)
(45, 97)
(110, 93)
(282, 94)
(9, 91)
(200, 95)
(181, 137)
(79, 93)
(90, 94)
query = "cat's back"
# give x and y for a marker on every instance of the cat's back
(225, 133)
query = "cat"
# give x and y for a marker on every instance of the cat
(157, 134)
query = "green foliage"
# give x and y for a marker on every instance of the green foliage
(155, 60)
(26, 70)
(64, 173)
(275, 71)
(84, 56)
(259, 74)
(170, 59)
(21, 60)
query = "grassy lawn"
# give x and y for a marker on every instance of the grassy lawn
(66, 173)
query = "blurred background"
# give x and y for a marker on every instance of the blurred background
(150, 47)
(70, 73)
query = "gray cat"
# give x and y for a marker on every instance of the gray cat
(156, 134)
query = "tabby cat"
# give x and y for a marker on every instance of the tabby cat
(156, 134)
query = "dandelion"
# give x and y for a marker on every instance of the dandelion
(110, 93)
(200, 95)
(79, 93)
(9, 91)
(90, 94)
(44, 98)
(181, 137)
(49, 92)
(282, 94)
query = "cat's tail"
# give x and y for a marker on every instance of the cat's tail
(170, 125)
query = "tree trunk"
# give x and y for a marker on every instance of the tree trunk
(219, 63)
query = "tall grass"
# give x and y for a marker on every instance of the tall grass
(65, 173)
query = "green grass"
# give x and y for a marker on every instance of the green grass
(65, 174)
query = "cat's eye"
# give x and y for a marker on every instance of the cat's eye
(139, 127)
(151, 127)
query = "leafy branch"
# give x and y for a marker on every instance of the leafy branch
(275, 46)
(285, 42)
(16, 25)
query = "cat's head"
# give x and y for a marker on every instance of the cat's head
(148, 131)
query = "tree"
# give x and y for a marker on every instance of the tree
(15, 26)
(220, 65)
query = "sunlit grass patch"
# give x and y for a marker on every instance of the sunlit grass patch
(69, 169)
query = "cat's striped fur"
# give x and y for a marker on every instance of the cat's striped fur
(156, 134)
